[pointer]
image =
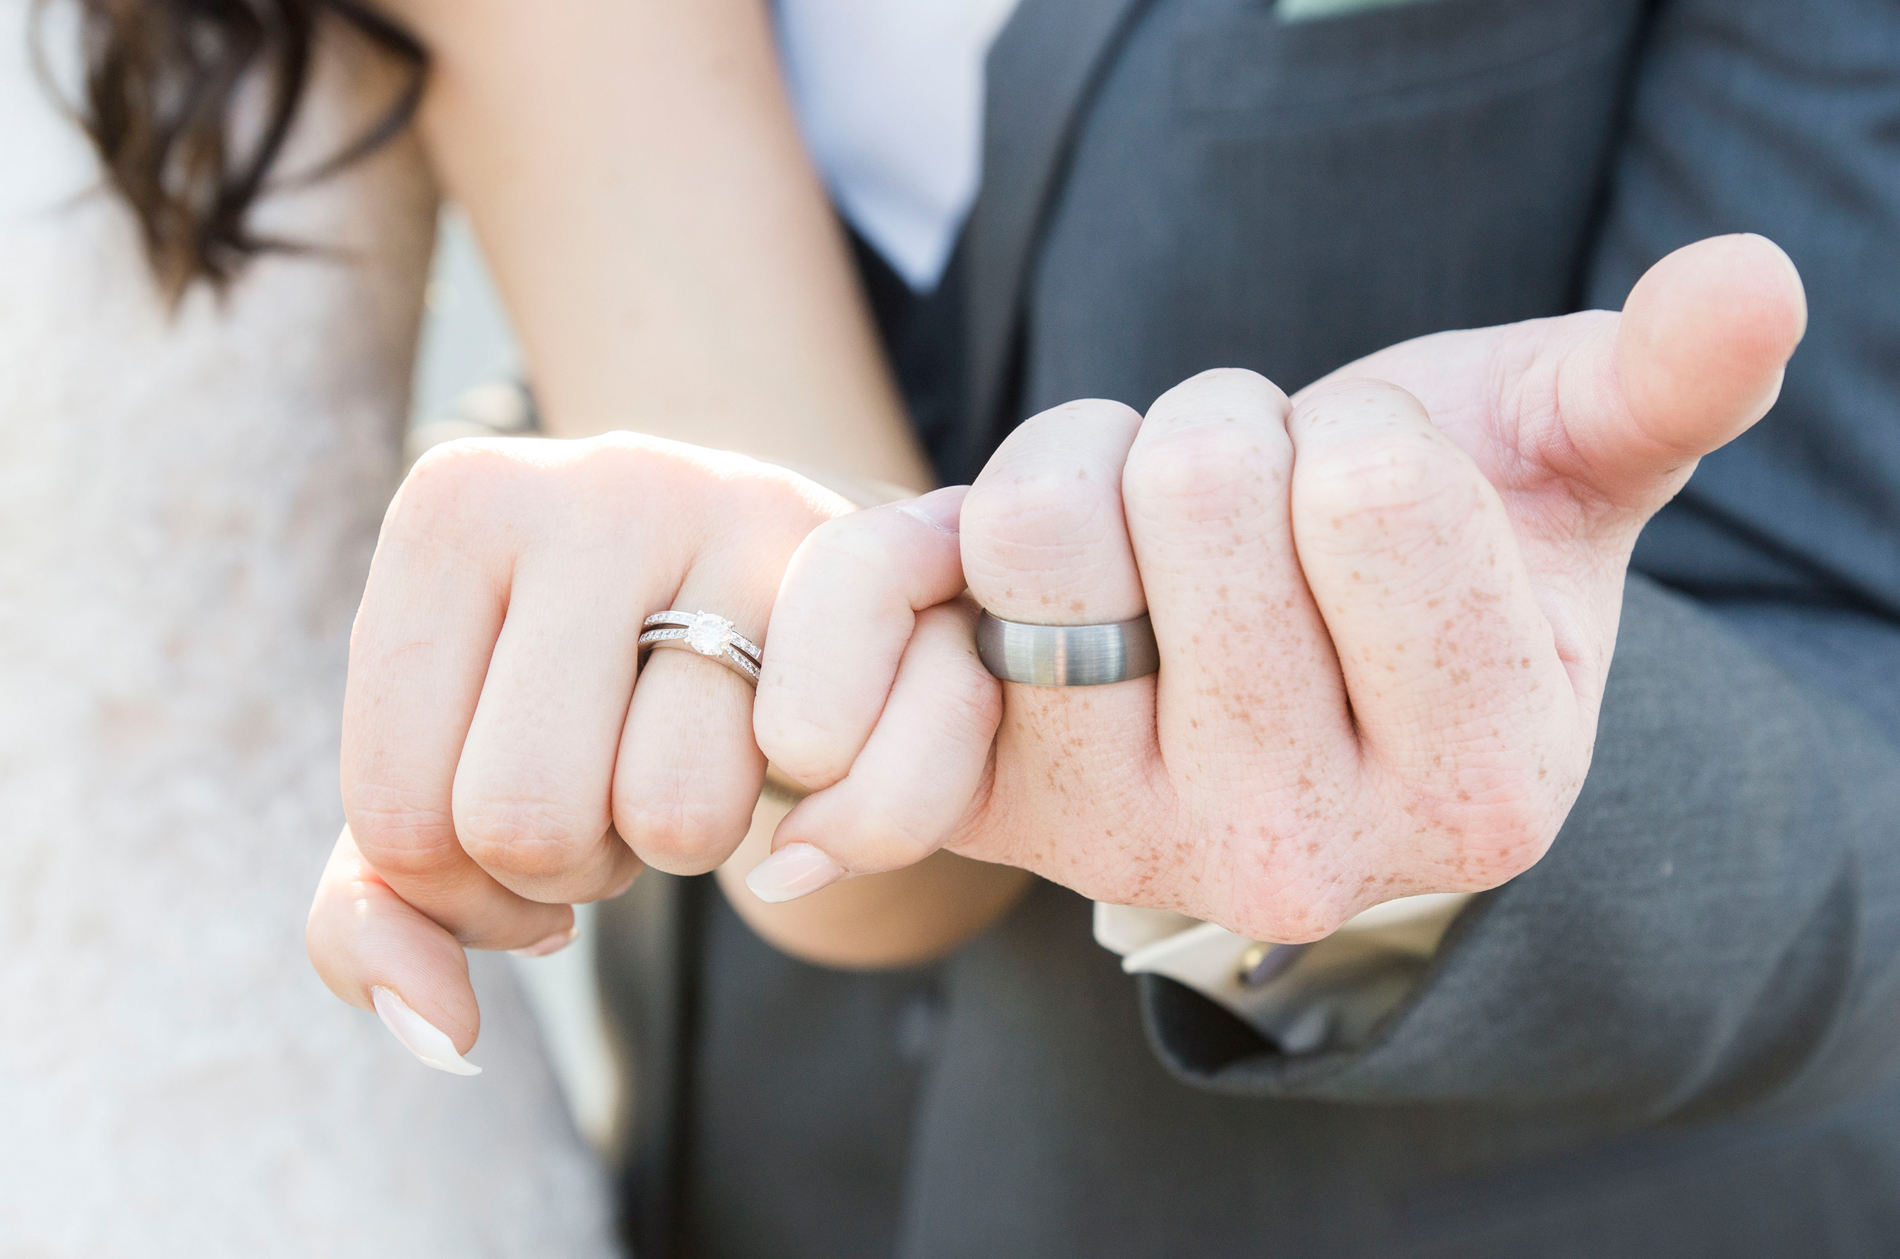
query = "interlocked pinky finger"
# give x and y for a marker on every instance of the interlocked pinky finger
(919, 774)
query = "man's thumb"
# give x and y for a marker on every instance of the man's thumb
(1695, 359)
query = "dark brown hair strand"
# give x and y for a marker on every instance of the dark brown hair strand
(162, 83)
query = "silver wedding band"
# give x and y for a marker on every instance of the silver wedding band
(1067, 655)
(705, 634)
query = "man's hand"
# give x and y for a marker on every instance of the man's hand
(1386, 611)
(498, 764)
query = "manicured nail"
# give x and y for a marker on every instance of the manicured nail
(419, 1036)
(553, 944)
(793, 871)
(940, 509)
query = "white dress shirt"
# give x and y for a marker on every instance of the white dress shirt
(889, 95)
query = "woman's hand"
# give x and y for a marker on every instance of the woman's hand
(498, 762)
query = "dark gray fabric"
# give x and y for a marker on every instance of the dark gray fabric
(1047, 1130)
(647, 967)
(820, 1053)
(1040, 74)
(1784, 119)
(1243, 193)
(1676, 1036)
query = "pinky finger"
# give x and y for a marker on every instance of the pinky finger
(377, 952)
(917, 777)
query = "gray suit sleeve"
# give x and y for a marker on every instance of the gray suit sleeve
(1718, 925)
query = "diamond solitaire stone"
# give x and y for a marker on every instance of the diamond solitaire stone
(709, 635)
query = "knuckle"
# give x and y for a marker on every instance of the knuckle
(677, 835)
(1403, 473)
(971, 702)
(1041, 537)
(1231, 395)
(1042, 530)
(453, 479)
(1294, 890)
(860, 541)
(1298, 912)
(1470, 827)
(399, 837)
(1038, 509)
(1053, 484)
(526, 839)
(629, 462)
(805, 747)
(882, 837)
(1502, 839)
(1210, 472)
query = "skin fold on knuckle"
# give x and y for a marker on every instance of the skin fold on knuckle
(1035, 511)
(677, 835)
(1477, 822)
(1209, 473)
(970, 704)
(453, 488)
(801, 738)
(1299, 891)
(1041, 542)
(1385, 485)
(858, 548)
(530, 841)
(398, 839)
(879, 835)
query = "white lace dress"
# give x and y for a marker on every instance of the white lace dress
(187, 510)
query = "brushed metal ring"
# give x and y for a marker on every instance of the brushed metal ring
(1067, 655)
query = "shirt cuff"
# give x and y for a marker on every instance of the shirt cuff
(1329, 994)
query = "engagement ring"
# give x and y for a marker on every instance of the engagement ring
(706, 634)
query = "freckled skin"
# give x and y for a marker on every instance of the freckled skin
(1216, 838)
(1384, 631)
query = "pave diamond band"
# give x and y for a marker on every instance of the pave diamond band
(1067, 655)
(705, 634)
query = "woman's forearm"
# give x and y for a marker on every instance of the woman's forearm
(662, 244)
(671, 265)
(877, 921)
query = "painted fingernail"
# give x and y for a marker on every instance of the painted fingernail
(793, 871)
(553, 944)
(940, 509)
(419, 1036)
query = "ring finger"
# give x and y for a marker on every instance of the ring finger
(1045, 543)
(689, 770)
